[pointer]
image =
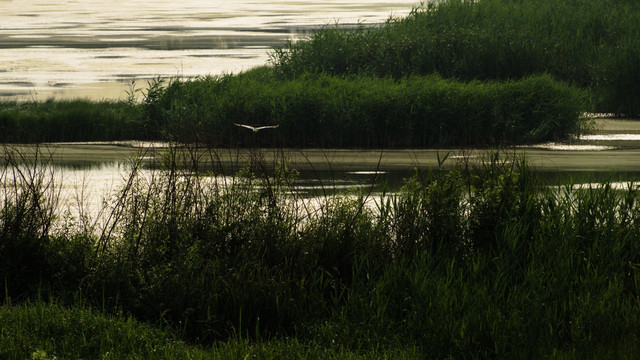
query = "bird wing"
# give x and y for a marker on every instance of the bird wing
(245, 126)
(267, 127)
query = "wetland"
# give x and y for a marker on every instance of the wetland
(430, 186)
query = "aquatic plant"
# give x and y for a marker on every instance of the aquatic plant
(314, 111)
(72, 120)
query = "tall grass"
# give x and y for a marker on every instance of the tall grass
(585, 43)
(363, 112)
(73, 120)
(478, 260)
(314, 110)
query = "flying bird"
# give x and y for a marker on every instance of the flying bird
(256, 129)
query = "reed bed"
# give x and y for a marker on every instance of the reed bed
(590, 44)
(363, 112)
(476, 261)
(72, 120)
(314, 110)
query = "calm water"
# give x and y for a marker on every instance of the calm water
(87, 175)
(96, 48)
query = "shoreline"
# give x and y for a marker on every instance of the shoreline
(622, 157)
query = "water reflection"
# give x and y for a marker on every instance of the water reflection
(94, 48)
(611, 137)
(570, 147)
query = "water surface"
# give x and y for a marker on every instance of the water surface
(96, 48)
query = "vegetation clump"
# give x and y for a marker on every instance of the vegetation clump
(589, 44)
(71, 120)
(363, 112)
(315, 110)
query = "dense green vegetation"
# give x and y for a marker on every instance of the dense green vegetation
(48, 331)
(482, 262)
(327, 111)
(314, 111)
(478, 261)
(41, 331)
(593, 44)
(72, 120)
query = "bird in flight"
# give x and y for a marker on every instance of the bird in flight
(256, 129)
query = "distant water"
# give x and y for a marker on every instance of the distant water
(96, 48)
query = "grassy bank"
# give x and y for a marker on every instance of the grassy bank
(47, 331)
(477, 261)
(590, 44)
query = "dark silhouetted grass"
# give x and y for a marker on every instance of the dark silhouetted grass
(481, 260)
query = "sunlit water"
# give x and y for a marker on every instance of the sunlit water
(92, 197)
(90, 186)
(96, 48)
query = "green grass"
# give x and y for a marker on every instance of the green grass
(50, 331)
(363, 112)
(72, 120)
(314, 111)
(476, 261)
(46, 331)
(591, 44)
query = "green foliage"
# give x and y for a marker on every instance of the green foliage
(591, 44)
(50, 331)
(364, 112)
(477, 260)
(314, 111)
(70, 120)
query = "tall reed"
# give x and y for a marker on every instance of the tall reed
(585, 43)
(480, 260)
(72, 120)
(363, 112)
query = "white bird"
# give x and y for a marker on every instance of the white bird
(256, 129)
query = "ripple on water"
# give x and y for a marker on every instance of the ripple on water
(611, 137)
(571, 147)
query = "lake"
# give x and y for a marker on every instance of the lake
(97, 48)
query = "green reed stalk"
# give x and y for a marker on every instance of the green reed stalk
(478, 260)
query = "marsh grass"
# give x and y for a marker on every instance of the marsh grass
(313, 110)
(590, 44)
(363, 112)
(477, 260)
(72, 120)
